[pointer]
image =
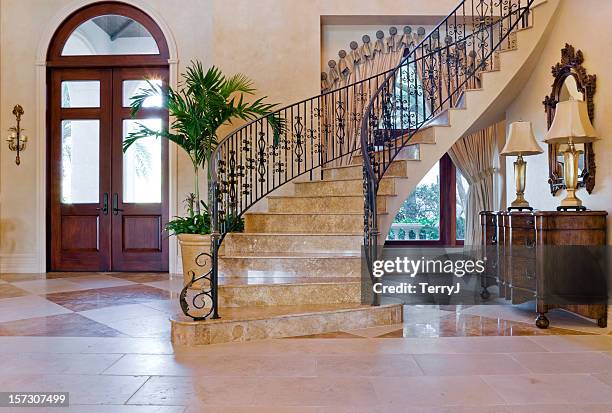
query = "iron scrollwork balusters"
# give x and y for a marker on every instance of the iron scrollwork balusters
(376, 116)
(433, 78)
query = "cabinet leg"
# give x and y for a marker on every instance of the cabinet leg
(485, 294)
(602, 322)
(541, 321)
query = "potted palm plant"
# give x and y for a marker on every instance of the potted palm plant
(203, 102)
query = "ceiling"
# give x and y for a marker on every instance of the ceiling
(120, 26)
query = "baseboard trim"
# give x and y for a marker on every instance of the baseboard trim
(19, 263)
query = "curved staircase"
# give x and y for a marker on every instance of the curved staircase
(296, 270)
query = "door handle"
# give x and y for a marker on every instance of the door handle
(104, 208)
(116, 208)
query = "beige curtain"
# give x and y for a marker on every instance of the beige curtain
(475, 156)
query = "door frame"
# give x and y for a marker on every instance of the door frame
(40, 256)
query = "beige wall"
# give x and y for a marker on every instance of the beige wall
(584, 24)
(275, 42)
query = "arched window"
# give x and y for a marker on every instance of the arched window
(109, 34)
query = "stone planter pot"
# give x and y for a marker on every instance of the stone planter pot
(192, 246)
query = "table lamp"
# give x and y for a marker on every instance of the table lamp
(521, 142)
(570, 126)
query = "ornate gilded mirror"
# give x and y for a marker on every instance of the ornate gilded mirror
(571, 81)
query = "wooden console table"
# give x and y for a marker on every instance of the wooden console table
(525, 249)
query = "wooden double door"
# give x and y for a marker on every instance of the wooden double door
(106, 208)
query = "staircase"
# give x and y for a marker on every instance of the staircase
(296, 270)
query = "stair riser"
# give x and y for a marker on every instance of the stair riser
(290, 294)
(308, 244)
(328, 204)
(410, 153)
(356, 172)
(310, 224)
(199, 333)
(290, 267)
(340, 188)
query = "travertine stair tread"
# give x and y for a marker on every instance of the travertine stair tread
(233, 314)
(354, 166)
(314, 196)
(297, 234)
(347, 179)
(272, 281)
(311, 213)
(321, 255)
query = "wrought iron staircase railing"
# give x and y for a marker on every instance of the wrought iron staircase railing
(431, 79)
(376, 116)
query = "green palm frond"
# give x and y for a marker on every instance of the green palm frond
(204, 101)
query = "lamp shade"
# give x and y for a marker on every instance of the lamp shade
(571, 123)
(521, 141)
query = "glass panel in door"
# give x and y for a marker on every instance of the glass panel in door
(142, 164)
(80, 161)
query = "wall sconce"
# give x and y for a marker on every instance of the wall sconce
(17, 140)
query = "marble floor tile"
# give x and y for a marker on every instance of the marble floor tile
(374, 365)
(142, 277)
(568, 408)
(550, 388)
(168, 391)
(65, 325)
(467, 325)
(113, 408)
(604, 377)
(311, 391)
(418, 409)
(107, 297)
(168, 307)
(151, 326)
(99, 281)
(552, 363)
(563, 344)
(151, 365)
(525, 313)
(37, 363)
(11, 291)
(172, 284)
(468, 364)
(463, 345)
(121, 312)
(83, 389)
(29, 306)
(85, 345)
(423, 313)
(255, 366)
(48, 286)
(435, 391)
(199, 407)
